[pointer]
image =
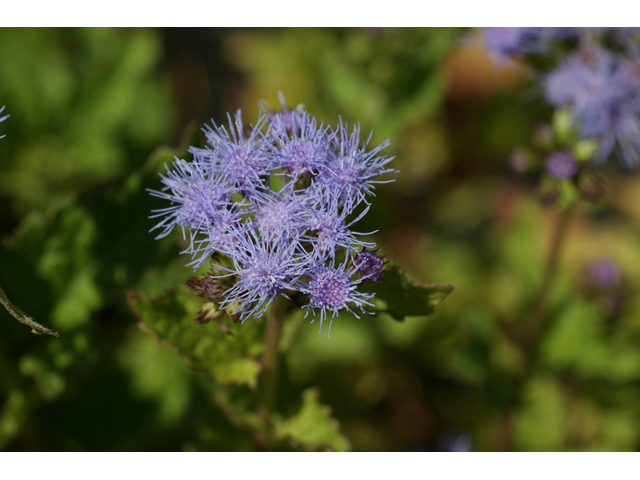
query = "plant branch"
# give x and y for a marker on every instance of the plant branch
(538, 316)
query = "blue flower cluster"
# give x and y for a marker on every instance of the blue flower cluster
(277, 200)
(602, 88)
(594, 72)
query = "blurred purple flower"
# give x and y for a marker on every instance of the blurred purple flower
(561, 165)
(604, 273)
(603, 91)
(504, 42)
(511, 41)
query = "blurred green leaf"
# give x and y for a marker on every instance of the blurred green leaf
(401, 297)
(313, 426)
(12, 416)
(576, 342)
(540, 424)
(227, 358)
(23, 317)
(49, 383)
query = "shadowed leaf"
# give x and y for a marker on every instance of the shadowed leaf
(401, 297)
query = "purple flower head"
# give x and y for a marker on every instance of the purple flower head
(561, 165)
(219, 235)
(239, 158)
(301, 149)
(331, 290)
(198, 194)
(278, 214)
(263, 270)
(604, 273)
(2, 119)
(285, 116)
(370, 266)
(327, 226)
(351, 169)
(603, 91)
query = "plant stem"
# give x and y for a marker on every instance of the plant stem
(533, 328)
(538, 316)
(269, 377)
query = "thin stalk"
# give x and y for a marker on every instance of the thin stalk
(533, 327)
(268, 381)
(538, 316)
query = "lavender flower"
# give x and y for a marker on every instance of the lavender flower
(263, 270)
(198, 192)
(2, 119)
(561, 165)
(603, 91)
(285, 116)
(278, 214)
(266, 241)
(327, 225)
(240, 159)
(332, 289)
(301, 146)
(219, 235)
(351, 169)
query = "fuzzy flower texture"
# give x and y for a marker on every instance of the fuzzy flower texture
(278, 200)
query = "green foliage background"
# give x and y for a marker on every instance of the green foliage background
(95, 113)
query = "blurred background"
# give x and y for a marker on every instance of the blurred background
(95, 113)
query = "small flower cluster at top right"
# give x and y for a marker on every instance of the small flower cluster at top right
(277, 200)
(594, 73)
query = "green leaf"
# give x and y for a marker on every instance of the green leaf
(401, 297)
(540, 424)
(313, 426)
(23, 317)
(226, 355)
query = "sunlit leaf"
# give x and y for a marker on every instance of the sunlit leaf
(227, 358)
(313, 426)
